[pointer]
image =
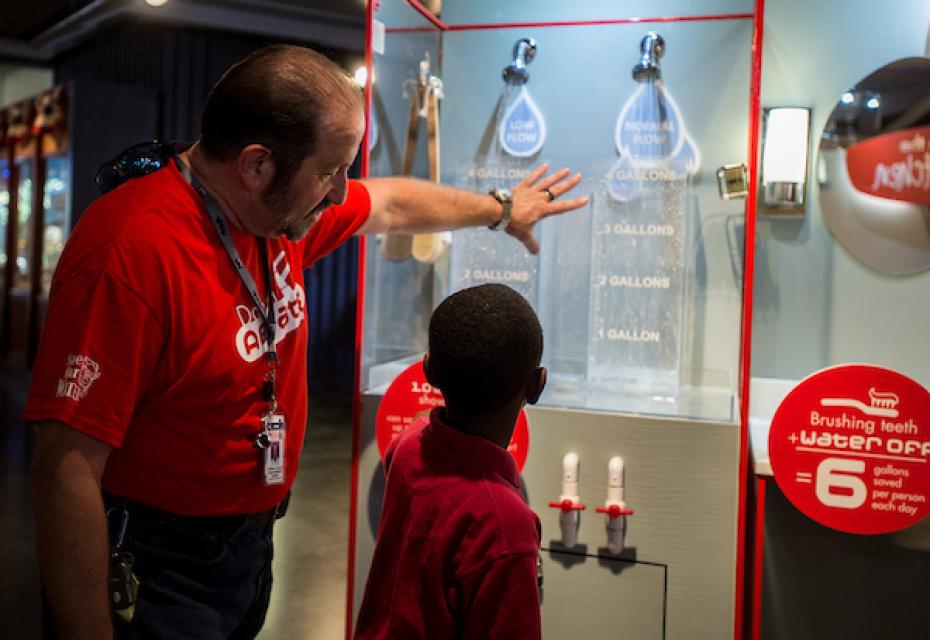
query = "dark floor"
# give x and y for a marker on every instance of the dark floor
(308, 600)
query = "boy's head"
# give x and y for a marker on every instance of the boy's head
(485, 345)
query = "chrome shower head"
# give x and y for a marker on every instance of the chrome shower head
(652, 49)
(523, 53)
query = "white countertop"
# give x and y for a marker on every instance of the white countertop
(765, 394)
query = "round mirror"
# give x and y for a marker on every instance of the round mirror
(875, 168)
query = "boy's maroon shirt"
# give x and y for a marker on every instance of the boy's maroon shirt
(457, 544)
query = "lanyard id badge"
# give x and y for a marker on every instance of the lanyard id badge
(270, 441)
(273, 454)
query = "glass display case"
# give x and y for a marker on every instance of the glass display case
(56, 202)
(13, 126)
(25, 170)
(18, 274)
(57, 140)
(54, 133)
(5, 175)
(640, 292)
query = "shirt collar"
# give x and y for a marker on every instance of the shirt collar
(476, 450)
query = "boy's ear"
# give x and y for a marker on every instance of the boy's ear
(428, 370)
(535, 386)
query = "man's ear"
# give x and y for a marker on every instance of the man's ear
(256, 168)
(535, 386)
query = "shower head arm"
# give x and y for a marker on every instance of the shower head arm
(652, 48)
(524, 50)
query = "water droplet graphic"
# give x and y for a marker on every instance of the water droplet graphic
(522, 129)
(649, 127)
(622, 183)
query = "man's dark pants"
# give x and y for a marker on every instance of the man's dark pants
(204, 578)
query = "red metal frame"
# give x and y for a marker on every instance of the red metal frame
(426, 13)
(592, 23)
(410, 30)
(417, 6)
(359, 318)
(754, 574)
(755, 91)
(569, 23)
(746, 316)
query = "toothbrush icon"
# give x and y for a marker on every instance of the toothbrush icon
(882, 405)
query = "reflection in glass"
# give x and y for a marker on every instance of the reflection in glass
(874, 168)
(399, 295)
(55, 202)
(23, 234)
(636, 292)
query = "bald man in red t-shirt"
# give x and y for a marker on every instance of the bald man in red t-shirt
(173, 359)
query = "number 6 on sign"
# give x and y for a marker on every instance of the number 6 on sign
(834, 473)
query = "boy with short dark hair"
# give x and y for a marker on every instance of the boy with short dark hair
(457, 544)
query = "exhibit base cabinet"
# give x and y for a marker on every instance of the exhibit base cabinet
(674, 576)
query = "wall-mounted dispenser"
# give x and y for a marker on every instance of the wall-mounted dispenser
(569, 502)
(733, 181)
(615, 506)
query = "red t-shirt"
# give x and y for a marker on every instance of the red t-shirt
(152, 345)
(457, 544)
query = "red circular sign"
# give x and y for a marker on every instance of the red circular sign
(411, 397)
(850, 448)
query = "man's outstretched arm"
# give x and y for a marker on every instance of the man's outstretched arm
(411, 205)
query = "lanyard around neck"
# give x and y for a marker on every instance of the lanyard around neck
(221, 225)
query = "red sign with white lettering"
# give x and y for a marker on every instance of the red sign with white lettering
(895, 165)
(850, 448)
(411, 397)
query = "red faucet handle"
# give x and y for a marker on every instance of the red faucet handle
(567, 505)
(615, 511)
